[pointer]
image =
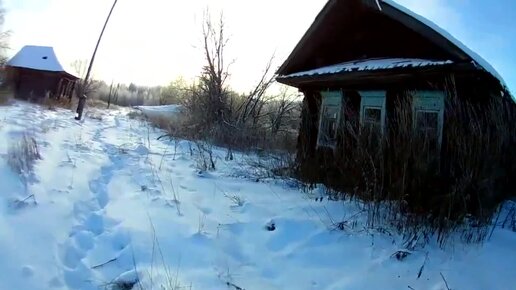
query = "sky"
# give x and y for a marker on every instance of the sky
(153, 42)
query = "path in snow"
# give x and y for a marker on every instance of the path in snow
(95, 236)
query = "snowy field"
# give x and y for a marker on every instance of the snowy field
(113, 205)
(167, 111)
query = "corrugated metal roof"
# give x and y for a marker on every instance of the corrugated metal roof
(370, 65)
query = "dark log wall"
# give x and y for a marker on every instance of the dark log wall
(313, 161)
(307, 139)
(34, 85)
(397, 168)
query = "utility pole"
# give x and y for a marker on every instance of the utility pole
(82, 96)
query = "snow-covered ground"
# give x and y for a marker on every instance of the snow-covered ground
(112, 207)
(166, 111)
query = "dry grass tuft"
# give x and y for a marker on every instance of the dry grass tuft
(22, 154)
(5, 96)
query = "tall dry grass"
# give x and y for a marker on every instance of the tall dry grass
(422, 190)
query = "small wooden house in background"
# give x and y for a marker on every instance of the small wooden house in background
(35, 72)
(374, 75)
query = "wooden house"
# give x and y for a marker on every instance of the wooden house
(35, 73)
(375, 77)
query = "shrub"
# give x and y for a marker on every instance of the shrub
(51, 103)
(255, 121)
(205, 157)
(22, 155)
(5, 95)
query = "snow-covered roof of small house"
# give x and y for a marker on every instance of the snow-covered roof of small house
(370, 65)
(37, 58)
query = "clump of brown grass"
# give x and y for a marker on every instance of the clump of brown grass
(101, 104)
(5, 96)
(53, 103)
(22, 154)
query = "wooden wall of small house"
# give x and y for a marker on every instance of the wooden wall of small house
(337, 167)
(324, 165)
(29, 84)
(478, 97)
(310, 169)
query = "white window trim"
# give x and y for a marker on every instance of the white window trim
(372, 100)
(430, 102)
(329, 98)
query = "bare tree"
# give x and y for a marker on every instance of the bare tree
(82, 96)
(87, 87)
(284, 111)
(113, 93)
(217, 114)
(174, 93)
(212, 95)
(251, 108)
(4, 36)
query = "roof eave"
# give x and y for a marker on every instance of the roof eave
(67, 74)
(363, 75)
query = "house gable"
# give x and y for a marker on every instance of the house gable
(351, 30)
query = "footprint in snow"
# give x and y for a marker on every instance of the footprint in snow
(270, 226)
(71, 256)
(27, 271)
(55, 283)
(84, 240)
(120, 240)
(95, 224)
(187, 188)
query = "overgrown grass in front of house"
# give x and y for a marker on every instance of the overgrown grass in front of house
(5, 96)
(422, 191)
(53, 103)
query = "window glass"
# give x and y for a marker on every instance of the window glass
(329, 123)
(428, 118)
(427, 126)
(329, 118)
(372, 116)
(427, 121)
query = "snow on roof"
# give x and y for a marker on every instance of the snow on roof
(370, 65)
(36, 57)
(477, 59)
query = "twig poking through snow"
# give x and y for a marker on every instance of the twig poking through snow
(105, 263)
(235, 286)
(25, 199)
(445, 282)
(422, 267)
(401, 255)
(237, 200)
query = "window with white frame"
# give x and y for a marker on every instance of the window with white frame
(331, 106)
(372, 113)
(428, 113)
